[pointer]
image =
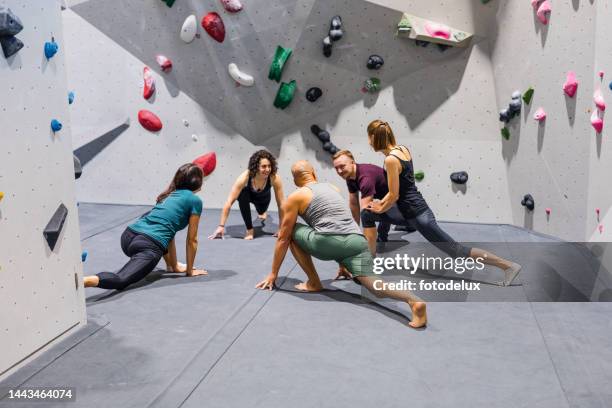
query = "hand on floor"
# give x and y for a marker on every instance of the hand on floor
(343, 274)
(267, 283)
(218, 233)
(179, 268)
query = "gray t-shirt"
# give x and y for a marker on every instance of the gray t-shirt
(328, 212)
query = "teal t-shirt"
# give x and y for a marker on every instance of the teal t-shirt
(169, 216)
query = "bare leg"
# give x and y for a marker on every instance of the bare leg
(91, 281)
(250, 234)
(313, 284)
(371, 235)
(511, 269)
(418, 307)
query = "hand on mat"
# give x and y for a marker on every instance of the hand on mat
(179, 268)
(343, 273)
(218, 233)
(197, 272)
(275, 235)
(375, 207)
(267, 283)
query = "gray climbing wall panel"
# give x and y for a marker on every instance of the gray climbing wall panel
(434, 100)
(39, 300)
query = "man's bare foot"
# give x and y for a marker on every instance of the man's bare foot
(309, 287)
(511, 273)
(91, 281)
(419, 315)
(250, 234)
(343, 273)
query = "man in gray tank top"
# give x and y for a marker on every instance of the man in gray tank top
(331, 234)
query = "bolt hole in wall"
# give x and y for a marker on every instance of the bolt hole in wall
(494, 139)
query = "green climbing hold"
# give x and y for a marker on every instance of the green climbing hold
(528, 95)
(404, 26)
(280, 58)
(372, 85)
(505, 133)
(484, 1)
(419, 175)
(169, 3)
(285, 94)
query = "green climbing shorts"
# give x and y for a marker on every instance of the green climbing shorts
(349, 250)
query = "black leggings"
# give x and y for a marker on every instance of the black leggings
(144, 255)
(393, 216)
(260, 200)
(426, 224)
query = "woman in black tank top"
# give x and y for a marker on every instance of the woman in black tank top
(253, 186)
(399, 171)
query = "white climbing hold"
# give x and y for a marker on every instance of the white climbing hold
(516, 95)
(233, 6)
(239, 76)
(189, 29)
(185, 122)
(194, 138)
(540, 115)
(599, 100)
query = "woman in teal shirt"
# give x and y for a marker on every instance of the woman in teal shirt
(152, 235)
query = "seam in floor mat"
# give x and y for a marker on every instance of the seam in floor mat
(226, 348)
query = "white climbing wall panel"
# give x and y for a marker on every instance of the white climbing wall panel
(549, 161)
(39, 301)
(442, 105)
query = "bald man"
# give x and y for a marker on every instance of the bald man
(331, 234)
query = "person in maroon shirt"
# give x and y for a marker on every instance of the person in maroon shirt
(370, 181)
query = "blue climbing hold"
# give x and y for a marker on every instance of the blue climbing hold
(56, 125)
(84, 256)
(51, 48)
(610, 85)
(70, 97)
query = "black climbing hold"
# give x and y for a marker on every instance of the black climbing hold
(9, 22)
(443, 47)
(459, 177)
(421, 43)
(336, 23)
(528, 202)
(10, 45)
(313, 94)
(504, 115)
(315, 129)
(78, 168)
(54, 227)
(515, 107)
(327, 47)
(375, 62)
(324, 136)
(327, 146)
(333, 149)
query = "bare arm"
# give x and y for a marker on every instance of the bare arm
(237, 187)
(192, 244)
(279, 195)
(170, 257)
(354, 204)
(393, 167)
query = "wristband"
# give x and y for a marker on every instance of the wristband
(222, 225)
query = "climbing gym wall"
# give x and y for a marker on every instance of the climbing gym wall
(40, 257)
(553, 160)
(434, 99)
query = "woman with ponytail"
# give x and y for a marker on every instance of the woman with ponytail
(151, 237)
(399, 171)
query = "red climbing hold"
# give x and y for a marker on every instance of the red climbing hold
(233, 6)
(149, 83)
(214, 26)
(149, 120)
(207, 163)
(164, 62)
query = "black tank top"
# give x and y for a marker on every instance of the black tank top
(259, 193)
(410, 202)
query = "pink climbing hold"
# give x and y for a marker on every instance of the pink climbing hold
(232, 6)
(571, 85)
(548, 211)
(543, 12)
(213, 24)
(149, 120)
(601, 74)
(600, 227)
(149, 83)
(164, 63)
(597, 122)
(437, 30)
(599, 100)
(540, 115)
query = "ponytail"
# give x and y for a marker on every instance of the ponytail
(381, 134)
(188, 177)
